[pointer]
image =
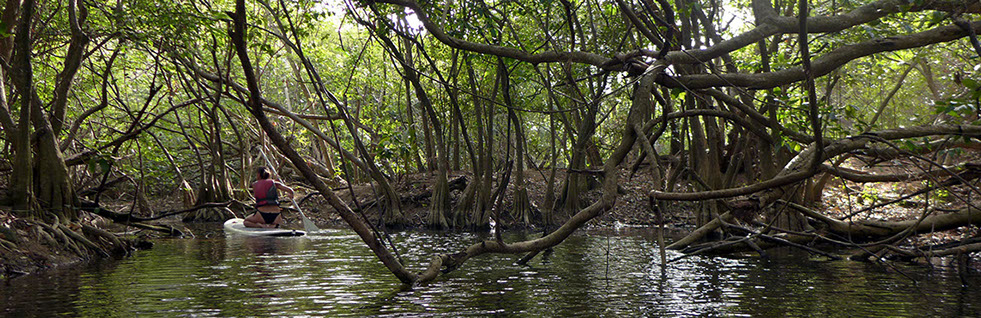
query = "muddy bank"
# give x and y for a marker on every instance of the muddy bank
(21, 253)
(28, 246)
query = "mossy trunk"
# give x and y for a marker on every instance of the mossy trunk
(22, 75)
(52, 186)
(440, 204)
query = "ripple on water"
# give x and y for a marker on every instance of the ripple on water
(332, 273)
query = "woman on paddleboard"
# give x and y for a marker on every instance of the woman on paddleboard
(265, 191)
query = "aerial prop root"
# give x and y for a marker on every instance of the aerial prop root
(61, 236)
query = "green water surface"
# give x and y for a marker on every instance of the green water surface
(606, 274)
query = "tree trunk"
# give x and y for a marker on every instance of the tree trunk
(440, 204)
(468, 197)
(215, 186)
(575, 181)
(548, 205)
(431, 160)
(22, 75)
(521, 210)
(52, 186)
(480, 219)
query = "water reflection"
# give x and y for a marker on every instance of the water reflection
(596, 274)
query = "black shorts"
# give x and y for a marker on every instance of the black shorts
(269, 217)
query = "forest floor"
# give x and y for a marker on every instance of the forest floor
(842, 199)
(631, 209)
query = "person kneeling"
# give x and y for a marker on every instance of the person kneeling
(265, 192)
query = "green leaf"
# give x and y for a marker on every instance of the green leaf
(3, 30)
(970, 83)
(104, 164)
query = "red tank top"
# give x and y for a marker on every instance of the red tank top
(265, 193)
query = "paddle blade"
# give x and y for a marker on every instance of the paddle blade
(308, 225)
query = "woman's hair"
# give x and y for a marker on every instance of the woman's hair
(263, 172)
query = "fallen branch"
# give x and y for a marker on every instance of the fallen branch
(960, 249)
(95, 190)
(135, 221)
(861, 176)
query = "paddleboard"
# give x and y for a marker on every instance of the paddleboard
(236, 226)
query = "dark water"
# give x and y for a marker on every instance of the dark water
(593, 274)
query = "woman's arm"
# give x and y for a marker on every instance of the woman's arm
(283, 187)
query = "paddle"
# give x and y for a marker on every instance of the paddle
(307, 224)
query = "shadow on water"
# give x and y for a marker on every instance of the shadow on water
(598, 273)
